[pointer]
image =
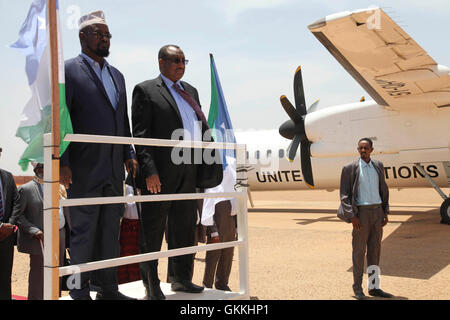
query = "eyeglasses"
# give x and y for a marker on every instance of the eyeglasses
(178, 60)
(100, 35)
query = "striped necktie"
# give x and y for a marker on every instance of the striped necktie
(194, 105)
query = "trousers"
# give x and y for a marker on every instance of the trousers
(6, 264)
(95, 235)
(129, 245)
(218, 262)
(367, 238)
(181, 217)
(36, 274)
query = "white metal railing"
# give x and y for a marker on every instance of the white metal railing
(50, 218)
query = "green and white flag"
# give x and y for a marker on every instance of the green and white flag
(219, 120)
(36, 116)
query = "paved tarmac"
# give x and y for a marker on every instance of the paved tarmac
(300, 250)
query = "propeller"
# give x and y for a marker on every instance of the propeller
(294, 129)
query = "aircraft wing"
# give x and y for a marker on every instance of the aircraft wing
(384, 59)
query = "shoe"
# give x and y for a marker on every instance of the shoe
(360, 295)
(115, 295)
(380, 293)
(207, 286)
(88, 297)
(155, 293)
(223, 288)
(186, 286)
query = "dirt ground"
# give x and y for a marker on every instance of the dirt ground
(300, 250)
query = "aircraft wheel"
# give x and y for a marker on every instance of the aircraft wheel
(445, 211)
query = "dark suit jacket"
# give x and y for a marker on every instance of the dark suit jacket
(349, 189)
(91, 112)
(155, 115)
(11, 204)
(30, 219)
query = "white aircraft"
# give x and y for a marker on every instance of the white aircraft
(409, 119)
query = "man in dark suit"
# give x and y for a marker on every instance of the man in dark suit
(365, 203)
(96, 99)
(161, 108)
(9, 208)
(30, 237)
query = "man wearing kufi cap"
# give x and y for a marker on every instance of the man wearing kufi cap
(97, 17)
(96, 99)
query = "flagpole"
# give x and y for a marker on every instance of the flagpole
(51, 188)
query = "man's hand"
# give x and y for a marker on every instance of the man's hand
(39, 235)
(65, 176)
(153, 184)
(131, 164)
(5, 230)
(356, 223)
(385, 221)
(214, 239)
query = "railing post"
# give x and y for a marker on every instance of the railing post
(242, 222)
(51, 224)
(51, 216)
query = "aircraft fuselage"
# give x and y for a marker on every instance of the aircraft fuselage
(401, 139)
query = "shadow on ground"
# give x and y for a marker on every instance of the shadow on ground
(418, 248)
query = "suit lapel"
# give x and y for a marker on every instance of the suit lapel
(188, 90)
(356, 177)
(116, 83)
(39, 190)
(166, 94)
(4, 189)
(378, 169)
(91, 73)
(3, 180)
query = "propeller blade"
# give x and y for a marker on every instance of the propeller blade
(299, 93)
(306, 164)
(314, 106)
(290, 110)
(292, 149)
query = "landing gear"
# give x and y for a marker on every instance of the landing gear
(249, 194)
(445, 206)
(445, 211)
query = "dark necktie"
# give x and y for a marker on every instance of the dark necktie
(191, 101)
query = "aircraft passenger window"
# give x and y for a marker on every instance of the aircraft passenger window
(269, 153)
(257, 154)
(281, 153)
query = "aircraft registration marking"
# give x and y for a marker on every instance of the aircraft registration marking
(394, 88)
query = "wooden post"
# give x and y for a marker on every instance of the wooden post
(242, 224)
(51, 187)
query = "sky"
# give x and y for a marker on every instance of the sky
(257, 46)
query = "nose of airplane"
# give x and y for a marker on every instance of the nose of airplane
(287, 129)
(290, 129)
